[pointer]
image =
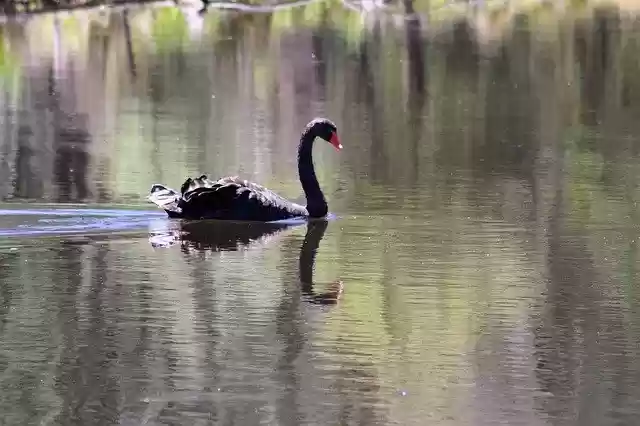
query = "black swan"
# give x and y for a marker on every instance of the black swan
(232, 198)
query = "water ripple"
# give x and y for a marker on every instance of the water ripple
(37, 222)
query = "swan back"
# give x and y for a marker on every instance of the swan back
(235, 198)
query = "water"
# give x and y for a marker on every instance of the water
(479, 267)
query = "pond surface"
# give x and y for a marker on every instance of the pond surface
(479, 267)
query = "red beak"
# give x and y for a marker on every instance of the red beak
(335, 141)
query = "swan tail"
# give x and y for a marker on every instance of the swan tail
(166, 198)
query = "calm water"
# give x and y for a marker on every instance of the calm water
(480, 267)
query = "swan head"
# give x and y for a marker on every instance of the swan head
(325, 129)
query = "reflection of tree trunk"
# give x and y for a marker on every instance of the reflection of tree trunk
(317, 40)
(156, 97)
(368, 62)
(415, 50)
(8, 264)
(416, 85)
(51, 4)
(303, 73)
(207, 318)
(320, 61)
(593, 51)
(633, 238)
(8, 145)
(288, 320)
(25, 156)
(509, 113)
(101, 354)
(69, 373)
(394, 312)
(358, 389)
(129, 45)
(70, 170)
(581, 339)
(71, 164)
(8, 7)
(33, 136)
(555, 372)
(71, 142)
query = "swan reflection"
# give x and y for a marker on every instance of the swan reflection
(215, 236)
(315, 233)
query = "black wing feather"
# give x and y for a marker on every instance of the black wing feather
(234, 198)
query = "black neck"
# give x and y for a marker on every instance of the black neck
(316, 204)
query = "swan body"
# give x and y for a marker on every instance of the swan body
(232, 198)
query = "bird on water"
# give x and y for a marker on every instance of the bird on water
(232, 198)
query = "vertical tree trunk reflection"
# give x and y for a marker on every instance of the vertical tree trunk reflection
(368, 84)
(129, 43)
(417, 76)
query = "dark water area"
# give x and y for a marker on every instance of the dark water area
(479, 267)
